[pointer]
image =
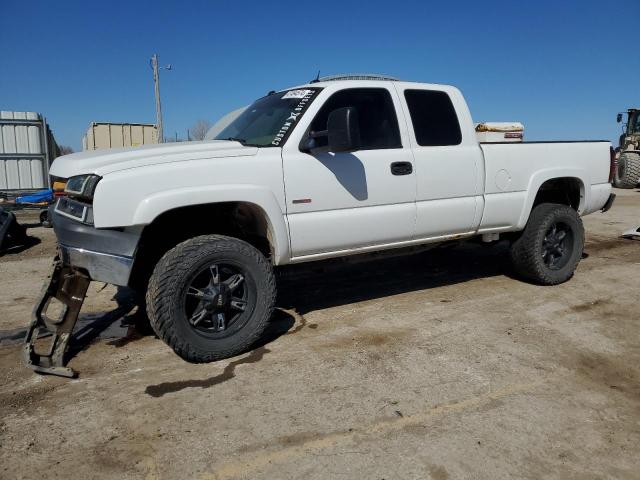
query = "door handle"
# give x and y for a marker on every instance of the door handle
(401, 168)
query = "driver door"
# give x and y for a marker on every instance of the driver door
(344, 201)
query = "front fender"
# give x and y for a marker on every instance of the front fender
(537, 179)
(135, 197)
(154, 205)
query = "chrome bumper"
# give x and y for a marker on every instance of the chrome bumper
(101, 267)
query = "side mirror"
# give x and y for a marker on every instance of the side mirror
(342, 133)
(343, 130)
(619, 118)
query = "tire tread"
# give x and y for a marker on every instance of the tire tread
(631, 175)
(524, 255)
(160, 296)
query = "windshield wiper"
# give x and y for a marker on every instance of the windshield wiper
(243, 142)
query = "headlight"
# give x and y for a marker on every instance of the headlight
(83, 186)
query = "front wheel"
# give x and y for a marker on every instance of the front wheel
(211, 297)
(549, 249)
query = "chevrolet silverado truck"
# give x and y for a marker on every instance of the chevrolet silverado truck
(337, 167)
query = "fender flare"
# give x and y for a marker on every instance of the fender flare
(160, 202)
(537, 179)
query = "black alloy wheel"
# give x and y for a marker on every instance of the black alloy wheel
(557, 246)
(217, 299)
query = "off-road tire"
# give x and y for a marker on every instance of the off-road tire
(170, 279)
(627, 171)
(527, 251)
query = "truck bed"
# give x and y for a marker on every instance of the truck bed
(513, 169)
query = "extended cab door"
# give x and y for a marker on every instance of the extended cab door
(448, 160)
(346, 201)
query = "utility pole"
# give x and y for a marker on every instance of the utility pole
(156, 85)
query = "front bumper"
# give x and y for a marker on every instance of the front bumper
(105, 254)
(101, 267)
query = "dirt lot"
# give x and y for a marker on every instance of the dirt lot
(440, 365)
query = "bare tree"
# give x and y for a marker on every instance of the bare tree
(199, 129)
(65, 149)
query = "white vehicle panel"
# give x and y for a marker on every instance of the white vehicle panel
(331, 230)
(524, 167)
(444, 206)
(338, 201)
(103, 162)
(502, 211)
(522, 160)
(599, 195)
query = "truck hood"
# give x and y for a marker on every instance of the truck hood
(102, 162)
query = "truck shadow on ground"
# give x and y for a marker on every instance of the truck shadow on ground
(281, 324)
(328, 284)
(303, 289)
(229, 372)
(90, 327)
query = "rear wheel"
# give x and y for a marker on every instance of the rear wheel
(211, 297)
(549, 249)
(627, 171)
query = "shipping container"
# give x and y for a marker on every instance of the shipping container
(27, 148)
(113, 135)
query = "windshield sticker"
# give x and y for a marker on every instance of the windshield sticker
(296, 94)
(289, 123)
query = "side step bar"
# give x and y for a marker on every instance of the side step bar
(69, 287)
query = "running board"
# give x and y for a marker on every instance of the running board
(69, 288)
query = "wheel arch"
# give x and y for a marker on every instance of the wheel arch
(564, 186)
(254, 220)
(259, 200)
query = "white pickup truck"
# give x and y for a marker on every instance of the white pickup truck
(336, 167)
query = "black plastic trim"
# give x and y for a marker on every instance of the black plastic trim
(79, 235)
(401, 168)
(609, 203)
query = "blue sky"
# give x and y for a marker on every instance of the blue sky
(558, 66)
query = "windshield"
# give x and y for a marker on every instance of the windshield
(634, 124)
(269, 121)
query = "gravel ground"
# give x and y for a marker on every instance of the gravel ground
(439, 365)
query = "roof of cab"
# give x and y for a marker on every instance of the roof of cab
(362, 77)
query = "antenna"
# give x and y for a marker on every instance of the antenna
(317, 79)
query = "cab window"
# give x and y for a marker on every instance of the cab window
(376, 117)
(434, 118)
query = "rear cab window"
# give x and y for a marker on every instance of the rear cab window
(434, 118)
